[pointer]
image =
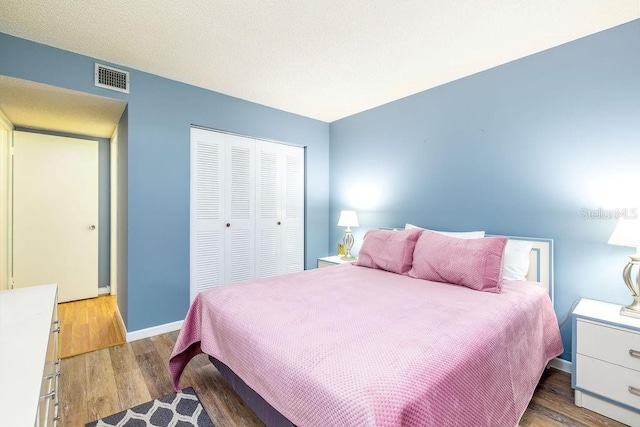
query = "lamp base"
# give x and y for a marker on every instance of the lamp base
(633, 309)
(624, 311)
(348, 244)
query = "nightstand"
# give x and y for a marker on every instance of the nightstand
(330, 261)
(606, 361)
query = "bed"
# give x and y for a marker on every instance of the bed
(354, 345)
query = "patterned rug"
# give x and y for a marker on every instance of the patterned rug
(177, 409)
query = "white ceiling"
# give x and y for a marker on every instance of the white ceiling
(324, 59)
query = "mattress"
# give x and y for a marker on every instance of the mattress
(350, 345)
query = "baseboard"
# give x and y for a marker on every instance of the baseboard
(105, 290)
(155, 330)
(123, 329)
(560, 364)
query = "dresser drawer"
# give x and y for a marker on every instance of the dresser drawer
(609, 343)
(29, 374)
(608, 380)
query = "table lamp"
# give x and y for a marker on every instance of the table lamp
(348, 219)
(627, 233)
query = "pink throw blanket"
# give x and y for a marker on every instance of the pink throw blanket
(347, 346)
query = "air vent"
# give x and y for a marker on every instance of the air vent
(111, 78)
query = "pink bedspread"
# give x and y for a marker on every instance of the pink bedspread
(353, 346)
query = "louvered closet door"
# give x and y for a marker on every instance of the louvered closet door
(292, 171)
(240, 209)
(268, 209)
(207, 213)
(247, 209)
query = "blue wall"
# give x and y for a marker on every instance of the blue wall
(160, 112)
(519, 149)
(104, 203)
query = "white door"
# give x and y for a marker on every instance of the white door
(207, 210)
(239, 209)
(222, 209)
(55, 214)
(268, 209)
(292, 209)
(279, 209)
(247, 209)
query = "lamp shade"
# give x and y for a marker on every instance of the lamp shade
(348, 219)
(626, 233)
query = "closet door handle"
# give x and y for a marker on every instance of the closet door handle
(279, 223)
(228, 225)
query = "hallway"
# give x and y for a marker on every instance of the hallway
(89, 325)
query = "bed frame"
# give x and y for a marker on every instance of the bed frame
(540, 270)
(540, 262)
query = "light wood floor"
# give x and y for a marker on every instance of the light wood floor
(103, 382)
(88, 325)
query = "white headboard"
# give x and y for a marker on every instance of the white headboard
(540, 261)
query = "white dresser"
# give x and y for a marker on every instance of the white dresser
(606, 361)
(29, 357)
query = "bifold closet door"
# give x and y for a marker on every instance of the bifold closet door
(207, 246)
(292, 170)
(280, 209)
(268, 211)
(239, 196)
(247, 209)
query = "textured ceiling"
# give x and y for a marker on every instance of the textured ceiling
(324, 59)
(39, 106)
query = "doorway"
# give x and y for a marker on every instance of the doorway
(31, 106)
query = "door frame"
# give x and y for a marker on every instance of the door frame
(6, 187)
(113, 216)
(6, 206)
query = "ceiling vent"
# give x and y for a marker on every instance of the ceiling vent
(111, 78)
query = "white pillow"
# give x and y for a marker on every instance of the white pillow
(516, 260)
(456, 234)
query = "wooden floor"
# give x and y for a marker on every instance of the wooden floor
(88, 325)
(103, 382)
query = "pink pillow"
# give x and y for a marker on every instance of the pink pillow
(388, 250)
(474, 263)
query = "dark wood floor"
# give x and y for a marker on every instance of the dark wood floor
(102, 382)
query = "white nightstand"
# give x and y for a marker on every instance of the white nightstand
(606, 361)
(330, 261)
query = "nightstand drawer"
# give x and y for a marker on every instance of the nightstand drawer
(609, 343)
(608, 380)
